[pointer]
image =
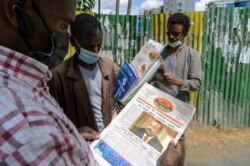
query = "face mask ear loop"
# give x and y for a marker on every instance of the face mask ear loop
(76, 42)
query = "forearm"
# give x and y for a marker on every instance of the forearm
(190, 85)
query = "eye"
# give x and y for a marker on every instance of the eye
(64, 27)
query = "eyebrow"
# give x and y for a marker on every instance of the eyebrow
(70, 21)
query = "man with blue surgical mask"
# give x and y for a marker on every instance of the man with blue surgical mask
(83, 84)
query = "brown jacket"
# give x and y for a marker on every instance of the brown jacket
(69, 89)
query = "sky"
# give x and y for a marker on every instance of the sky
(108, 6)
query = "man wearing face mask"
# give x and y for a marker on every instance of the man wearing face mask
(181, 70)
(34, 129)
(83, 84)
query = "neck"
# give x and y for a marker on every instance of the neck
(7, 39)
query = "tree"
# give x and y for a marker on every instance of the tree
(85, 5)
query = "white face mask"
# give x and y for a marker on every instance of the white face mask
(175, 44)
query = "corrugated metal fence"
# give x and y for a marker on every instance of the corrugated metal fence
(224, 41)
(225, 93)
(124, 35)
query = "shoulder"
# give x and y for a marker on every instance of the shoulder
(108, 63)
(106, 60)
(63, 66)
(192, 51)
(138, 129)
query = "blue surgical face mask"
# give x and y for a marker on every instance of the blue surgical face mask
(88, 56)
(175, 44)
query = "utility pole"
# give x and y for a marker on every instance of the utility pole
(129, 7)
(117, 7)
(99, 7)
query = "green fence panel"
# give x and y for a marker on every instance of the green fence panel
(224, 98)
(121, 40)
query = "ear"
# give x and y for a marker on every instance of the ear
(9, 7)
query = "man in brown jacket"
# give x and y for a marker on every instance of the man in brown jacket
(83, 84)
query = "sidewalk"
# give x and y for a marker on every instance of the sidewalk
(209, 146)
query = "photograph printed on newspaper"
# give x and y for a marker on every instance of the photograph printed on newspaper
(146, 57)
(143, 129)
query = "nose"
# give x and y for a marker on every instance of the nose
(95, 49)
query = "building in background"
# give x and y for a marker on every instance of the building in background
(157, 10)
(221, 3)
(172, 6)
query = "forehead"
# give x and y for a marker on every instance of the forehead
(155, 124)
(58, 10)
(175, 27)
(90, 39)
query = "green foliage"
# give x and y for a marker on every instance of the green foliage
(85, 5)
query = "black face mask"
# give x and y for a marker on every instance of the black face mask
(59, 46)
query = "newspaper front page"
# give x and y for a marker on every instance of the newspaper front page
(143, 129)
(146, 57)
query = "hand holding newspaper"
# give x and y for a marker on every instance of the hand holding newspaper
(143, 130)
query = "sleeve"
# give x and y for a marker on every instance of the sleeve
(48, 146)
(193, 81)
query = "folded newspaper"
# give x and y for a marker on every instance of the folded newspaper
(125, 79)
(143, 129)
(142, 69)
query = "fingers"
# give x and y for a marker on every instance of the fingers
(178, 147)
(160, 70)
(89, 136)
(172, 79)
(171, 144)
(173, 155)
(168, 76)
(88, 133)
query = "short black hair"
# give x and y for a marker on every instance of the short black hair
(85, 25)
(180, 18)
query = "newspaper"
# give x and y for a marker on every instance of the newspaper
(150, 74)
(146, 57)
(125, 79)
(143, 129)
(145, 64)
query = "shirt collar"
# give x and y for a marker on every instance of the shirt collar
(23, 67)
(149, 137)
